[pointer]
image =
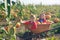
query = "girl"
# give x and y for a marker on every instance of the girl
(42, 18)
(32, 25)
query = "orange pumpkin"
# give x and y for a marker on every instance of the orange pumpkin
(48, 16)
(6, 28)
(15, 15)
(38, 23)
(12, 11)
(49, 22)
(18, 25)
(47, 13)
(56, 20)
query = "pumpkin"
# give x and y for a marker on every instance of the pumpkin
(56, 20)
(15, 15)
(47, 13)
(12, 11)
(48, 16)
(18, 25)
(38, 23)
(6, 28)
(49, 22)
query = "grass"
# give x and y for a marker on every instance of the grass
(53, 38)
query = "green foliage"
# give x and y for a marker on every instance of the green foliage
(26, 10)
(2, 6)
(58, 15)
(55, 25)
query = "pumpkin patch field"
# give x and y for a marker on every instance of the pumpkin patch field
(11, 16)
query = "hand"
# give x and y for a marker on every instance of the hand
(20, 20)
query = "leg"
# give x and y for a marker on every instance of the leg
(27, 36)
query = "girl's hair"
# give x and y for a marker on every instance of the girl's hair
(32, 15)
(42, 14)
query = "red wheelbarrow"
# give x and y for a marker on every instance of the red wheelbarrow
(40, 28)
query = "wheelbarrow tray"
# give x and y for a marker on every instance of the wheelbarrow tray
(40, 28)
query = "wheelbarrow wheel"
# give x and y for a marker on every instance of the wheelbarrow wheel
(27, 36)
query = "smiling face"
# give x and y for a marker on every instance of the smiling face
(32, 18)
(42, 16)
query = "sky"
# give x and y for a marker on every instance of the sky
(44, 2)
